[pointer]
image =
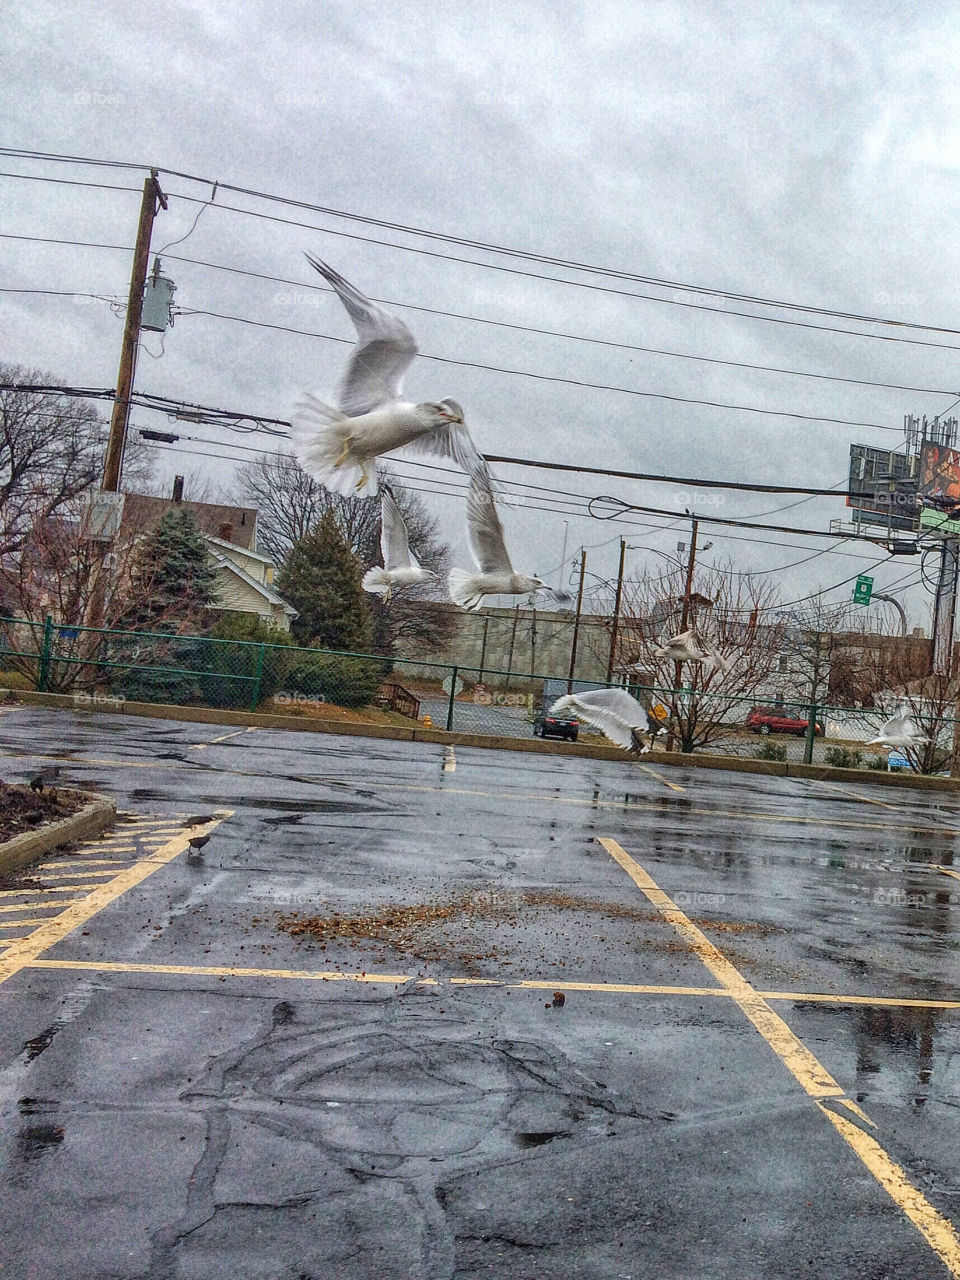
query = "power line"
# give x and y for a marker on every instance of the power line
(582, 284)
(561, 505)
(501, 324)
(481, 245)
(608, 272)
(517, 373)
(567, 382)
(270, 425)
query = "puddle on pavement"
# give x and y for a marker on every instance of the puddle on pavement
(33, 1048)
(539, 1139)
(36, 1140)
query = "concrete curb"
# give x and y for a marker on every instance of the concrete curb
(531, 746)
(96, 815)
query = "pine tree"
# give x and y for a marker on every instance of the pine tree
(172, 580)
(172, 583)
(321, 579)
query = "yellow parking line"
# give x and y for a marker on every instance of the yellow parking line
(42, 905)
(934, 1228)
(812, 1076)
(106, 847)
(674, 786)
(202, 746)
(857, 795)
(65, 876)
(539, 984)
(17, 893)
(19, 922)
(947, 872)
(57, 928)
(221, 971)
(84, 862)
(826, 997)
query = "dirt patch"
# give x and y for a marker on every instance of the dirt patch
(344, 715)
(456, 930)
(24, 810)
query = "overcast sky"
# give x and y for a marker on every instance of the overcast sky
(806, 153)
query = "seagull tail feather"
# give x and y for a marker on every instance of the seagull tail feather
(566, 703)
(466, 589)
(377, 581)
(321, 438)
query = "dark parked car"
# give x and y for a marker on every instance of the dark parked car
(545, 726)
(779, 720)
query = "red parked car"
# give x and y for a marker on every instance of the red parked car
(779, 720)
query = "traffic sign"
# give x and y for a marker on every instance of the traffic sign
(862, 589)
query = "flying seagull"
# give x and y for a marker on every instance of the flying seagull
(495, 574)
(339, 445)
(400, 566)
(615, 713)
(684, 647)
(900, 730)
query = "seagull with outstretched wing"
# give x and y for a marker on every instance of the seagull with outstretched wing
(400, 566)
(616, 714)
(495, 573)
(901, 730)
(684, 647)
(339, 445)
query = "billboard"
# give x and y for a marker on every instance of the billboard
(939, 482)
(881, 488)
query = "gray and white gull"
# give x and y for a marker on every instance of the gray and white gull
(401, 568)
(339, 444)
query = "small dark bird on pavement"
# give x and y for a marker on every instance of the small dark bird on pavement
(197, 842)
(36, 784)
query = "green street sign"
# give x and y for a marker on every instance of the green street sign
(862, 589)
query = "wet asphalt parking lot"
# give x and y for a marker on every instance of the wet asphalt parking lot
(754, 1070)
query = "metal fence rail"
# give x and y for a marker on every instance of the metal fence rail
(195, 670)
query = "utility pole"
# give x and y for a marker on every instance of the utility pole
(576, 621)
(944, 609)
(513, 641)
(152, 195)
(483, 648)
(684, 618)
(616, 613)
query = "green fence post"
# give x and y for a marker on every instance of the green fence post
(453, 694)
(811, 733)
(255, 698)
(46, 650)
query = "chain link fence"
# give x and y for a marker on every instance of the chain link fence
(103, 667)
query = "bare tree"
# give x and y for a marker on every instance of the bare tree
(51, 453)
(727, 606)
(289, 504)
(50, 450)
(61, 574)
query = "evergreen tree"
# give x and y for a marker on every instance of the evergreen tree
(172, 581)
(321, 579)
(171, 584)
